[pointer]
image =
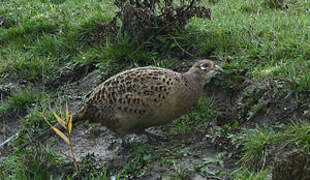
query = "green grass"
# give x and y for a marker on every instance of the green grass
(32, 163)
(45, 35)
(20, 101)
(260, 144)
(264, 41)
(261, 40)
(245, 174)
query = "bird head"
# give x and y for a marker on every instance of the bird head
(204, 70)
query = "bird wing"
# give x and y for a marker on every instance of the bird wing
(124, 99)
(136, 90)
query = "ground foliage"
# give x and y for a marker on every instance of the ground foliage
(143, 19)
(151, 22)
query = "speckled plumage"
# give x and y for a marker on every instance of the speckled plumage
(136, 99)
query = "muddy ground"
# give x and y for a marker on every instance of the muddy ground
(187, 152)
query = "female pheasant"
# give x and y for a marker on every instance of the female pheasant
(133, 100)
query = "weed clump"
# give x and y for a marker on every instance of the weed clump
(142, 19)
(146, 20)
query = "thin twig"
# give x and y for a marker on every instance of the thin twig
(191, 4)
(73, 156)
(179, 46)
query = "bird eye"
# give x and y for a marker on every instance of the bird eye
(204, 66)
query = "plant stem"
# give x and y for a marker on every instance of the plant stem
(73, 156)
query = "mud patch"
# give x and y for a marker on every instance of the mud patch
(85, 143)
(190, 155)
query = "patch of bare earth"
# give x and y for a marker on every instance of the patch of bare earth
(232, 103)
(9, 123)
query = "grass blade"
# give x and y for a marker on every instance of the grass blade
(46, 120)
(62, 135)
(67, 112)
(62, 122)
(70, 124)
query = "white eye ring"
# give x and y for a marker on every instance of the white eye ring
(202, 67)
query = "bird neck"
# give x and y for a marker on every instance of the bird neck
(192, 93)
(193, 80)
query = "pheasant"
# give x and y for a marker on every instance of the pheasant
(139, 98)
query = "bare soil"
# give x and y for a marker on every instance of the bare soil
(231, 103)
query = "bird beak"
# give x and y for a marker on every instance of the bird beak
(218, 68)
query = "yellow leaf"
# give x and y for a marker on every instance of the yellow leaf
(62, 135)
(67, 113)
(62, 122)
(70, 124)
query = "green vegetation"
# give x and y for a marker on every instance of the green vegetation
(32, 163)
(263, 46)
(245, 174)
(19, 101)
(259, 144)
